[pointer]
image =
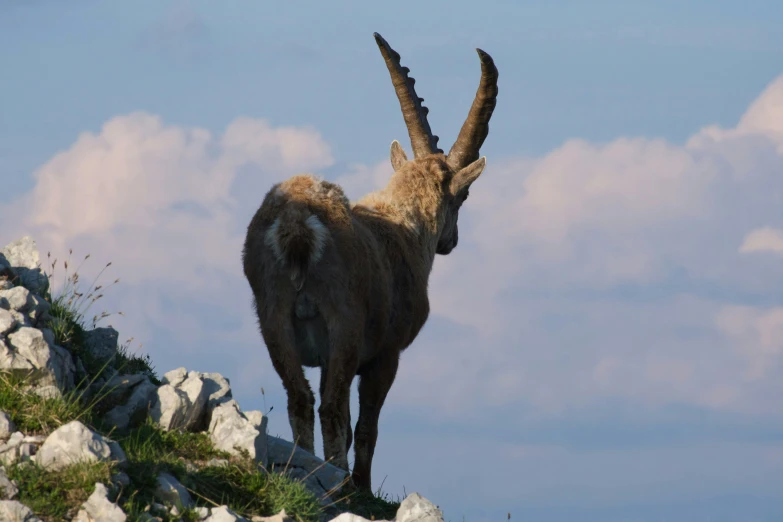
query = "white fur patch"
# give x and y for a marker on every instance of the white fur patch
(271, 240)
(320, 235)
(278, 194)
(319, 189)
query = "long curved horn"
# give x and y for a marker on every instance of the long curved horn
(476, 127)
(415, 114)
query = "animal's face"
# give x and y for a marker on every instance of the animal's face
(455, 193)
(449, 236)
(454, 188)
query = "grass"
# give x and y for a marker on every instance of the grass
(150, 450)
(36, 415)
(248, 490)
(68, 317)
(374, 506)
(238, 483)
(53, 495)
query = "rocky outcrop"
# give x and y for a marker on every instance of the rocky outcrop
(20, 262)
(27, 347)
(183, 400)
(235, 432)
(31, 352)
(133, 395)
(320, 477)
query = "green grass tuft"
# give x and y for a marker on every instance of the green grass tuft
(53, 495)
(35, 415)
(68, 322)
(241, 484)
(250, 491)
(373, 506)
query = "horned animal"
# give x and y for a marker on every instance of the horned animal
(343, 286)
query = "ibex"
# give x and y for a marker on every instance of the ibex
(343, 286)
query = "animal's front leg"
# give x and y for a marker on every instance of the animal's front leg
(374, 383)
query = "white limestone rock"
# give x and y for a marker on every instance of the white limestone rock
(8, 487)
(223, 514)
(7, 426)
(23, 258)
(74, 442)
(140, 393)
(280, 517)
(33, 352)
(171, 491)
(325, 478)
(7, 322)
(180, 403)
(15, 511)
(19, 447)
(232, 432)
(98, 508)
(416, 508)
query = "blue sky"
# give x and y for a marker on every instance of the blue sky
(607, 341)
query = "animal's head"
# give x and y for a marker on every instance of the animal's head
(454, 172)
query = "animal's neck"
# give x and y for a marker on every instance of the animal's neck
(419, 220)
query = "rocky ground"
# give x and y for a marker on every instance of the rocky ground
(89, 432)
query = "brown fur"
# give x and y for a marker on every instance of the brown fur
(344, 287)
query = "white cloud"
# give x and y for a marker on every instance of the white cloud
(158, 195)
(586, 217)
(595, 273)
(765, 239)
(157, 201)
(362, 179)
(765, 115)
(759, 336)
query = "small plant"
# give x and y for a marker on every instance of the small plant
(55, 495)
(36, 415)
(73, 302)
(67, 321)
(373, 506)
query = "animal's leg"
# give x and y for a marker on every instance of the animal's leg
(301, 400)
(375, 380)
(334, 408)
(349, 428)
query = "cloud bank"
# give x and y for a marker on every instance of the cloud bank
(638, 270)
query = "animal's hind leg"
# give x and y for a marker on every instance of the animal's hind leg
(349, 428)
(301, 401)
(334, 409)
(375, 380)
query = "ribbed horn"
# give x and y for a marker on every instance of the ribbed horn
(476, 127)
(415, 114)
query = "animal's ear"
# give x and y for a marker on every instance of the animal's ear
(464, 177)
(398, 157)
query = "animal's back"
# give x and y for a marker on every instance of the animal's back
(301, 252)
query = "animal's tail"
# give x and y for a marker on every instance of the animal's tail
(297, 237)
